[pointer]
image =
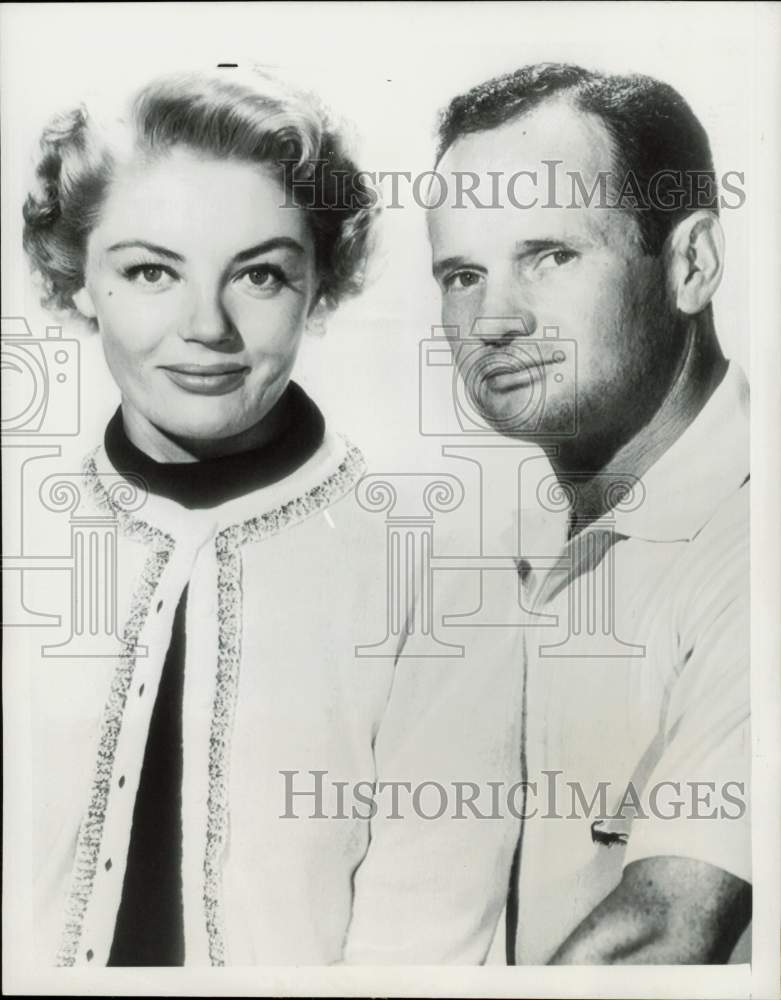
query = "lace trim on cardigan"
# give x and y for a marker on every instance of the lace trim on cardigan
(229, 614)
(91, 829)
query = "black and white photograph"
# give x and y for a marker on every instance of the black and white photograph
(391, 489)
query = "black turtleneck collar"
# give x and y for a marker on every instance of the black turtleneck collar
(212, 481)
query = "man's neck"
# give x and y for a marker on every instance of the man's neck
(700, 372)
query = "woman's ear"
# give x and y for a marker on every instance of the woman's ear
(316, 319)
(696, 261)
(83, 302)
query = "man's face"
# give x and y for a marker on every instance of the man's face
(508, 273)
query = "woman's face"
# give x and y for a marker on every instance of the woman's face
(201, 283)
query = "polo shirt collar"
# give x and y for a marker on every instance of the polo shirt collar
(705, 465)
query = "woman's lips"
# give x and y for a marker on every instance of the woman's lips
(206, 380)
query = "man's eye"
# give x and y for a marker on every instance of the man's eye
(462, 281)
(150, 275)
(556, 259)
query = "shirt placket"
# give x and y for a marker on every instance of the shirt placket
(537, 584)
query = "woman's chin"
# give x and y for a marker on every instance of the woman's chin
(204, 432)
(215, 418)
(207, 420)
(203, 429)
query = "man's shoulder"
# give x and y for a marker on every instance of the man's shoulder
(727, 530)
(712, 575)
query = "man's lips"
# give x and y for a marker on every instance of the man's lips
(207, 380)
(504, 377)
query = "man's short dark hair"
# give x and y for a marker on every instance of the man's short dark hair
(652, 130)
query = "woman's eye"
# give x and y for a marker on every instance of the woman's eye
(150, 275)
(462, 281)
(264, 279)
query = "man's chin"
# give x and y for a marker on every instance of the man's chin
(537, 428)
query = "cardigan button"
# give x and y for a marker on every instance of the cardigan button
(159, 606)
(140, 690)
(90, 954)
(108, 865)
(121, 781)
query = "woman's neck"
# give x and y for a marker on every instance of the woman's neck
(294, 437)
(156, 444)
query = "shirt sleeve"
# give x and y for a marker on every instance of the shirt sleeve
(695, 778)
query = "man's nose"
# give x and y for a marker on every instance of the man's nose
(505, 314)
(209, 321)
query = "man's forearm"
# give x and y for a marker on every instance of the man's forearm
(665, 911)
(617, 941)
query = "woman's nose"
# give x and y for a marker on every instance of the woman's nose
(209, 321)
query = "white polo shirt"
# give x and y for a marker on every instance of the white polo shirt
(640, 676)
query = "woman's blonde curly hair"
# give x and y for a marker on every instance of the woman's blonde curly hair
(252, 116)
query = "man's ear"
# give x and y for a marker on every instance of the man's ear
(83, 302)
(696, 261)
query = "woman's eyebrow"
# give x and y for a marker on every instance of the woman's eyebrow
(275, 243)
(266, 246)
(143, 244)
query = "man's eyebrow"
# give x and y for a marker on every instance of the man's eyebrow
(520, 248)
(523, 247)
(439, 267)
(143, 244)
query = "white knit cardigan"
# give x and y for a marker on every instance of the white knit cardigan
(284, 583)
